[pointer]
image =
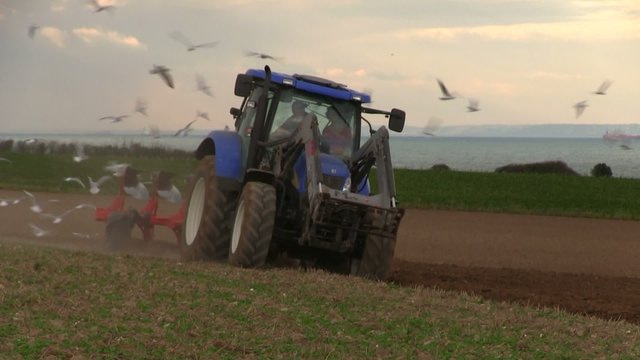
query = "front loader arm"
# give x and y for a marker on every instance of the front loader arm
(376, 151)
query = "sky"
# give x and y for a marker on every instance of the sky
(524, 61)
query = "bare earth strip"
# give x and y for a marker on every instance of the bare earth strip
(588, 266)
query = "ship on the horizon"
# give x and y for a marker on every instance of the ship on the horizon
(618, 135)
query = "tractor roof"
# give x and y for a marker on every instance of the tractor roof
(314, 85)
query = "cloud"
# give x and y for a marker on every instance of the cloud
(541, 74)
(568, 31)
(58, 6)
(595, 20)
(93, 35)
(55, 35)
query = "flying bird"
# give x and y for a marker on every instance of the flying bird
(164, 74)
(76, 180)
(185, 130)
(446, 95)
(32, 31)
(179, 37)
(473, 105)
(97, 7)
(5, 160)
(261, 55)
(602, 90)
(38, 232)
(202, 114)
(153, 131)
(141, 107)
(35, 206)
(580, 106)
(432, 125)
(56, 219)
(201, 85)
(80, 155)
(94, 186)
(114, 119)
(117, 169)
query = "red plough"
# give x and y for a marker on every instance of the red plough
(120, 222)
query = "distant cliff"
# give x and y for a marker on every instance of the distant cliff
(541, 130)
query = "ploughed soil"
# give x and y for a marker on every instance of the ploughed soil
(581, 265)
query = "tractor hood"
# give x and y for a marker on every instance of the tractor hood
(334, 172)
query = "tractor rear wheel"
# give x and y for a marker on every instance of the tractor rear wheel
(207, 229)
(253, 225)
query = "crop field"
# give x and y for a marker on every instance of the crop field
(487, 266)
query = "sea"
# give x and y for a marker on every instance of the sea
(483, 154)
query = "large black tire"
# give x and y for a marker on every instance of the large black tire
(206, 230)
(118, 229)
(253, 225)
(376, 258)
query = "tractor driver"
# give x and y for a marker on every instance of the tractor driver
(337, 133)
(298, 108)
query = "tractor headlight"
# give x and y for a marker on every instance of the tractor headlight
(347, 184)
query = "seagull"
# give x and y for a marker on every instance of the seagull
(7, 202)
(98, 7)
(117, 169)
(5, 160)
(202, 85)
(432, 125)
(164, 74)
(84, 236)
(202, 114)
(38, 232)
(94, 186)
(141, 107)
(58, 218)
(114, 119)
(35, 207)
(80, 155)
(77, 180)
(602, 90)
(445, 93)
(185, 129)
(473, 105)
(179, 37)
(580, 106)
(260, 55)
(153, 131)
(172, 195)
(32, 31)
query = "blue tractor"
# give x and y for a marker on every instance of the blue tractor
(279, 184)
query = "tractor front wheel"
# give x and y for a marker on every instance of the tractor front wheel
(206, 230)
(376, 258)
(253, 225)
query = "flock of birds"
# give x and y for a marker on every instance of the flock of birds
(473, 105)
(137, 191)
(163, 72)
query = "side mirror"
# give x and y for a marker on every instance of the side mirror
(396, 120)
(235, 112)
(243, 85)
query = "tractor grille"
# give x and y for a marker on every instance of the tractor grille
(337, 225)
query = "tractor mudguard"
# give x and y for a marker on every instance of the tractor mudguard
(227, 148)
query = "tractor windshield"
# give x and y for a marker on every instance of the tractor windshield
(336, 119)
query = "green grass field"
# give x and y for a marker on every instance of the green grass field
(453, 190)
(60, 303)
